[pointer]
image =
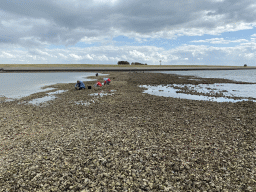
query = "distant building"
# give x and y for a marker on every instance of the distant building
(123, 63)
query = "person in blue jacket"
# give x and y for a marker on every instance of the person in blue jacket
(80, 85)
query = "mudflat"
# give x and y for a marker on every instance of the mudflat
(127, 140)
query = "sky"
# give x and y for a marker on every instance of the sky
(177, 32)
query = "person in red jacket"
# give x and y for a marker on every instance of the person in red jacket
(98, 84)
(107, 81)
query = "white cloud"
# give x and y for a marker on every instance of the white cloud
(62, 55)
(103, 58)
(76, 57)
(7, 55)
(89, 57)
(43, 53)
(90, 40)
(249, 55)
(219, 41)
(137, 54)
(184, 54)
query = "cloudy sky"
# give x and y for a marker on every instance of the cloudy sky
(177, 32)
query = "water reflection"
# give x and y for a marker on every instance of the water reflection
(227, 89)
(25, 84)
(170, 91)
(235, 75)
(41, 100)
(50, 96)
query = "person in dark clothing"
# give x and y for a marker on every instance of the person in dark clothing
(80, 85)
(106, 81)
(97, 74)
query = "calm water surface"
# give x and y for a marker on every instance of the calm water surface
(236, 75)
(17, 85)
(246, 91)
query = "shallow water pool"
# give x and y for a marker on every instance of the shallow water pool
(50, 97)
(170, 91)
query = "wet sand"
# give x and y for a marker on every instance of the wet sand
(127, 140)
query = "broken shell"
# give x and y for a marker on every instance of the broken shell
(131, 141)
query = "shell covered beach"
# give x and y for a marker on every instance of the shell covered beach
(117, 138)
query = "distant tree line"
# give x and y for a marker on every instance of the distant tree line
(127, 63)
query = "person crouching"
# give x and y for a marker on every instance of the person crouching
(80, 85)
(107, 81)
(98, 84)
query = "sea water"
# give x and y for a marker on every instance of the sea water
(246, 91)
(235, 75)
(18, 85)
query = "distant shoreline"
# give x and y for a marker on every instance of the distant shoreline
(101, 68)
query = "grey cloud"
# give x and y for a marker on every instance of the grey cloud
(66, 22)
(236, 10)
